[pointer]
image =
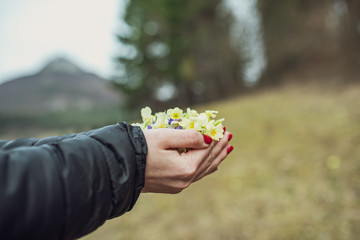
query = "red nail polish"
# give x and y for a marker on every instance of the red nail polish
(224, 128)
(229, 149)
(207, 139)
(230, 137)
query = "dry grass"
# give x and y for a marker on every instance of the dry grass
(294, 174)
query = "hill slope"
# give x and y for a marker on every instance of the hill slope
(59, 86)
(294, 174)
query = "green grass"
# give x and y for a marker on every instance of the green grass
(43, 124)
(294, 174)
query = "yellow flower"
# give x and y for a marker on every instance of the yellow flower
(146, 115)
(192, 113)
(175, 113)
(176, 119)
(215, 132)
(211, 114)
(161, 120)
(202, 119)
(189, 123)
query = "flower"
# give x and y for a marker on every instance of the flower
(211, 113)
(188, 123)
(215, 132)
(191, 112)
(146, 115)
(202, 119)
(175, 113)
(175, 118)
(161, 120)
(173, 123)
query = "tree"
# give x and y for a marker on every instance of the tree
(295, 34)
(350, 36)
(306, 35)
(181, 53)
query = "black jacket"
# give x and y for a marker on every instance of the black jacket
(65, 187)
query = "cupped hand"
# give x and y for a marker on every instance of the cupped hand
(168, 171)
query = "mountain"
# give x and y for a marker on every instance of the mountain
(61, 85)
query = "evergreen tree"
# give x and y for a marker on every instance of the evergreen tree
(181, 53)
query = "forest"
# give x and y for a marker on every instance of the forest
(186, 52)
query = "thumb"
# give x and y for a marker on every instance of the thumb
(186, 139)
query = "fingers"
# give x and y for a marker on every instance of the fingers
(218, 154)
(218, 147)
(196, 158)
(167, 171)
(201, 162)
(190, 139)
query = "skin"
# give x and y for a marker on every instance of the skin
(168, 171)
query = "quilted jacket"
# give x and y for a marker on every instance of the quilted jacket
(67, 186)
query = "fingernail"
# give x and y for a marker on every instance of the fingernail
(229, 149)
(224, 128)
(207, 139)
(230, 137)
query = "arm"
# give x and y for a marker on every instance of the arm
(65, 187)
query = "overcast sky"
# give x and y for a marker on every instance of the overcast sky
(34, 31)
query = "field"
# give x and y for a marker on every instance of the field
(43, 124)
(294, 174)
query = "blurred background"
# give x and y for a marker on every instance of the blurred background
(284, 74)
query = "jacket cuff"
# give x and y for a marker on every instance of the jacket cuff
(138, 141)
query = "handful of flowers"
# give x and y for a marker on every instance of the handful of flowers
(176, 118)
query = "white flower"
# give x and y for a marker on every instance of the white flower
(215, 132)
(146, 116)
(211, 113)
(174, 124)
(191, 113)
(175, 113)
(175, 118)
(161, 120)
(190, 123)
(202, 120)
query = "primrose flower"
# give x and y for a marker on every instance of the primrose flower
(175, 118)
(192, 113)
(161, 120)
(189, 123)
(146, 115)
(202, 119)
(211, 114)
(175, 113)
(173, 123)
(215, 132)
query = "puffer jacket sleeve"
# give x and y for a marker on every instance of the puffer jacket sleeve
(65, 187)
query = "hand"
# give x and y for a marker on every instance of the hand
(168, 171)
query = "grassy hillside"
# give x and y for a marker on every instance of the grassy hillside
(44, 124)
(294, 174)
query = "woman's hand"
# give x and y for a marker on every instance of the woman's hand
(168, 171)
